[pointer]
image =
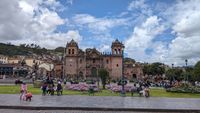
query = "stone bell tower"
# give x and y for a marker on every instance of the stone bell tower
(117, 48)
(71, 59)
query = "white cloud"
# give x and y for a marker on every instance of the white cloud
(53, 40)
(33, 21)
(186, 25)
(140, 6)
(74, 35)
(183, 18)
(141, 38)
(105, 48)
(70, 2)
(97, 25)
(137, 4)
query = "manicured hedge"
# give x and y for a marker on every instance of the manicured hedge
(184, 89)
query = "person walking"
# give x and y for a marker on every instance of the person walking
(44, 88)
(23, 91)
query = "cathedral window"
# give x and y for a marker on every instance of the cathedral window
(115, 51)
(72, 51)
(119, 51)
(107, 61)
(117, 65)
(80, 61)
(69, 51)
(93, 60)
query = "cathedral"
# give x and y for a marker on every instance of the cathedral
(81, 64)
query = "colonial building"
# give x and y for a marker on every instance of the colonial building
(133, 71)
(81, 64)
(3, 59)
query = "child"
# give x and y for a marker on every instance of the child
(23, 91)
(28, 96)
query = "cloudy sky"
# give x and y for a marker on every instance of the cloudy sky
(167, 31)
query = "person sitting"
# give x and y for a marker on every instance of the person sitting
(146, 92)
(140, 90)
(133, 89)
(51, 89)
(28, 96)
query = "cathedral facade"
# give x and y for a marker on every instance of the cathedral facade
(81, 64)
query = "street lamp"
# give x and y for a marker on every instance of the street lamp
(123, 94)
(186, 61)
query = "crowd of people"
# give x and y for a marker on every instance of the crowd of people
(141, 89)
(49, 88)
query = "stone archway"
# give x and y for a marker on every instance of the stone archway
(134, 76)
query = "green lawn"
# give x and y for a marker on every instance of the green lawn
(154, 92)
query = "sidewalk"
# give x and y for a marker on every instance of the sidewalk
(100, 103)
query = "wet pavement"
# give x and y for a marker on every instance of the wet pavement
(94, 102)
(69, 111)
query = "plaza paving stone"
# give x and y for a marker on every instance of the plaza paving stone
(68, 111)
(102, 102)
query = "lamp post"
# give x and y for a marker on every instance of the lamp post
(63, 65)
(123, 94)
(186, 61)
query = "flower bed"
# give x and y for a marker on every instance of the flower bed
(117, 88)
(80, 87)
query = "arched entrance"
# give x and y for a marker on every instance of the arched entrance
(134, 76)
(80, 77)
(94, 72)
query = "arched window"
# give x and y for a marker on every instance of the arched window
(72, 51)
(69, 51)
(117, 65)
(93, 60)
(119, 51)
(115, 51)
(107, 61)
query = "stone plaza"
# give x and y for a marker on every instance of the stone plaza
(101, 103)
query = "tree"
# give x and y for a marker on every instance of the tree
(188, 74)
(146, 69)
(196, 75)
(154, 69)
(104, 75)
(174, 73)
(157, 69)
(129, 60)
